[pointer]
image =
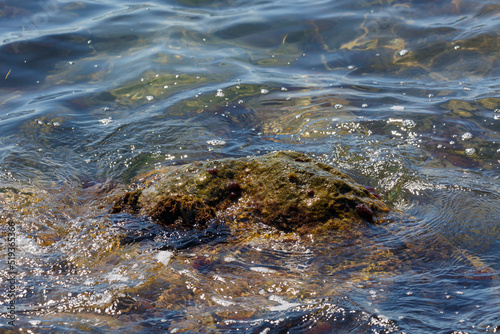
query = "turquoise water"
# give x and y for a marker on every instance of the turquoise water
(401, 95)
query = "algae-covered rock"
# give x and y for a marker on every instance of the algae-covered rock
(286, 190)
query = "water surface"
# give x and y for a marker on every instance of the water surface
(401, 95)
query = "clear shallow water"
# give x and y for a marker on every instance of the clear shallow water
(402, 95)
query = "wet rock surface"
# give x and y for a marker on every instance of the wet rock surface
(285, 190)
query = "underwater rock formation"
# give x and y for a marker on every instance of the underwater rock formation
(286, 190)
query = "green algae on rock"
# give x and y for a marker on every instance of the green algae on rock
(286, 190)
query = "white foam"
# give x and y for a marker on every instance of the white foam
(116, 276)
(164, 257)
(284, 305)
(262, 270)
(216, 142)
(222, 302)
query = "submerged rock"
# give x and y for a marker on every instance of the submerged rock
(285, 190)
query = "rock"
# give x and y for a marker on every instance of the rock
(286, 190)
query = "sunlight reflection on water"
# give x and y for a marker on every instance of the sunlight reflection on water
(400, 95)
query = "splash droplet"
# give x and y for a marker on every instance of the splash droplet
(409, 123)
(470, 151)
(467, 136)
(106, 121)
(403, 52)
